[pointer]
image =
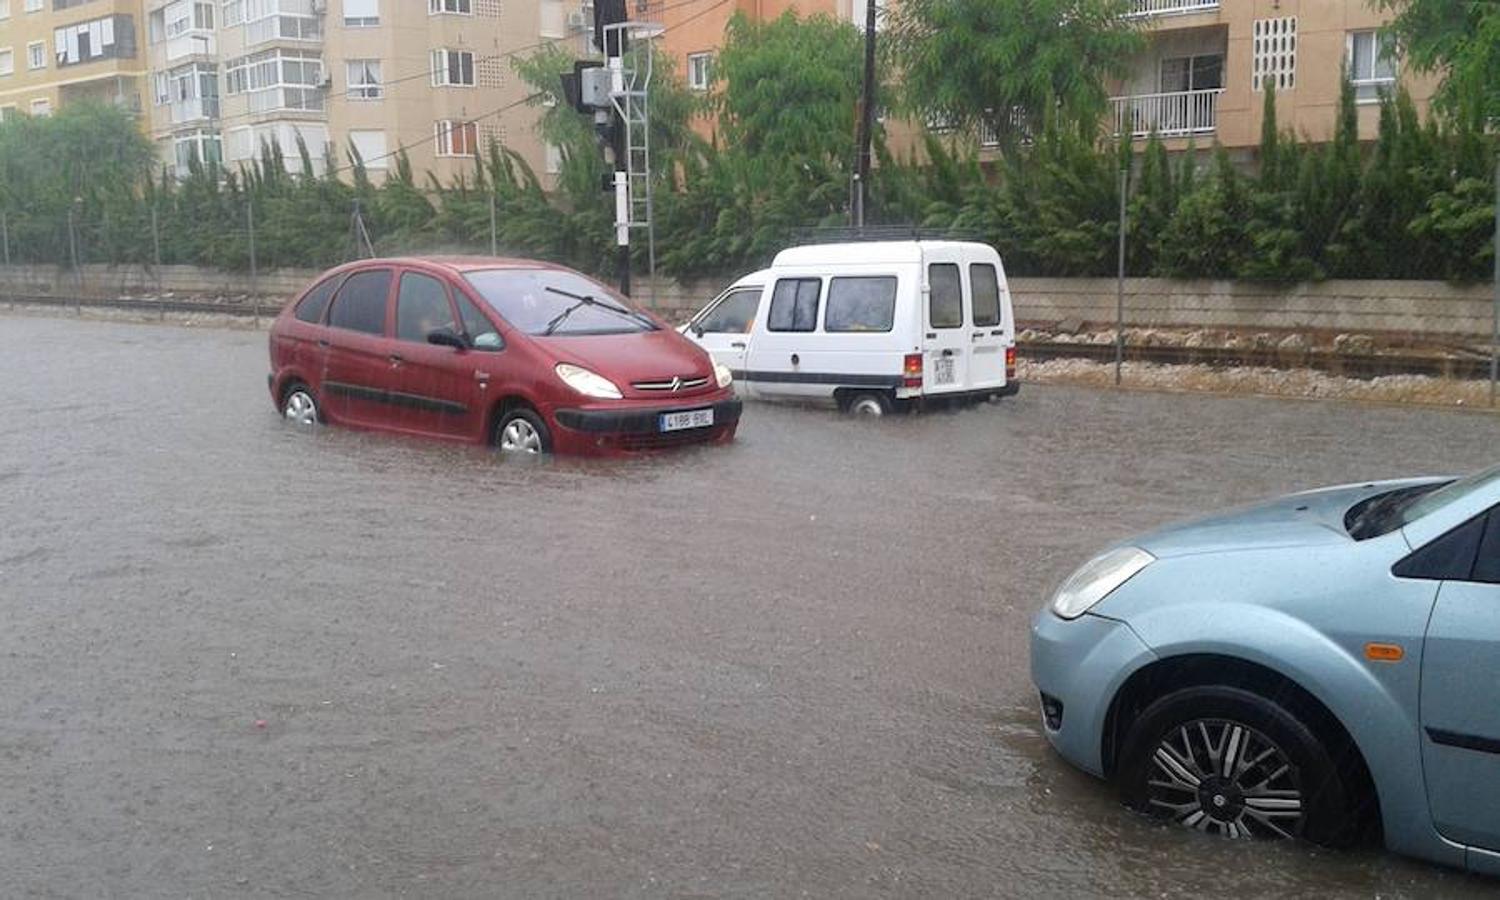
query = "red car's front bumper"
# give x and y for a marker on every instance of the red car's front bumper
(634, 428)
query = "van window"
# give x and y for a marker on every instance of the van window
(794, 305)
(985, 285)
(945, 305)
(861, 304)
(310, 309)
(733, 314)
(360, 305)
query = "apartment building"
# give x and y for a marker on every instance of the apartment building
(1204, 70)
(54, 52)
(433, 77)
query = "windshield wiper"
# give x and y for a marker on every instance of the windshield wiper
(588, 300)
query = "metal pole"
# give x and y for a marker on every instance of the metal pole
(1495, 325)
(161, 308)
(5, 245)
(73, 253)
(866, 117)
(1120, 283)
(254, 296)
(494, 237)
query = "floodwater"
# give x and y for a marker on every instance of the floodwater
(237, 658)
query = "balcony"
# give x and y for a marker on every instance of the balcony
(1140, 9)
(1175, 114)
(191, 43)
(194, 110)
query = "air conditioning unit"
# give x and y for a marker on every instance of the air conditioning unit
(327, 81)
(579, 20)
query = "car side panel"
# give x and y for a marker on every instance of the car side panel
(1329, 603)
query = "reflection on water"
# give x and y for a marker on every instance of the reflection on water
(794, 663)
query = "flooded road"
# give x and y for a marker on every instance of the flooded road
(241, 659)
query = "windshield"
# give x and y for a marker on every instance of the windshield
(1386, 512)
(552, 301)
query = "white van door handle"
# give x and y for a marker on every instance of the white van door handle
(947, 352)
(737, 345)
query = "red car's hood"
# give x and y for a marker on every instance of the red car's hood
(629, 358)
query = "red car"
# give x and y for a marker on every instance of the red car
(528, 356)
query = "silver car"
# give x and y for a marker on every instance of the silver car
(1323, 666)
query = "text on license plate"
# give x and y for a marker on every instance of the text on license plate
(692, 418)
(942, 370)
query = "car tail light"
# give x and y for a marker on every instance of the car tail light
(911, 373)
(1010, 363)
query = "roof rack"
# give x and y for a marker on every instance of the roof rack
(843, 234)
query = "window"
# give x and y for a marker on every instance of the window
(361, 302)
(734, 314)
(421, 308)
(277, 79)
(452, 67)
(36, 55)
(945, 301)
(203, 147)
(481, 331)
(234, 13)
(109, 37)
(310, 309)
(1487, 564)
(1372, 64)
(178, 18)
(371, 148)
(161, 92)
(7, 61)
(41, 107)
(984, 283)
(554, 158)
(364, 79)
(861, 304)
(1192, 73)
(203, 16)
(542, 301)
(7, 112)
(457, 138)
(1274, 54)
(794, 305)
(439, 7)
(4, 9)
(361, 13)
(34, 6)
(700, 68)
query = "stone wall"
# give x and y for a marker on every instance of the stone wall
(1430, 308)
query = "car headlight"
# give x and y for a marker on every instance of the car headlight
(589, 384)
(1098, 578)
(723, 375)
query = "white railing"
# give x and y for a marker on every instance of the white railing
(1169, 115)
(194, 110)
(193, 43)
(1169, 7)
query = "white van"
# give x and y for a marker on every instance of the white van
(871, 326)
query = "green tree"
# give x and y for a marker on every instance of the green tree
(1461, 40)
(1008, 65)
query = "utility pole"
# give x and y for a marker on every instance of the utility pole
(1495, 325)
(612, 41)
(866, 118)
(1120, 281)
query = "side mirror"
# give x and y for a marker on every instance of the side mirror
(695, 328)
(446, 337)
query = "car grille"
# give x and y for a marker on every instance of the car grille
(668, 439)
(671, 385)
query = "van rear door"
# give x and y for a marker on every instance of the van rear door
(945, 345)
(988, 336)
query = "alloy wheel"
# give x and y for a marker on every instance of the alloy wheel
(1225, 778)
(300, 408)
(518, 436)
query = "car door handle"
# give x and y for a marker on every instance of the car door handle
(737, 345)
(932, 335)
(998, 332)
(322, 342)
(481, 376)
(396, 359)
(976, 336)
(947, 352)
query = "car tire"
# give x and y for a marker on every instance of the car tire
(522, 432)
(868, 405)
(299, 406)
(1281, 783)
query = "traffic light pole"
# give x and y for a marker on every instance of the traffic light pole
(621, 152)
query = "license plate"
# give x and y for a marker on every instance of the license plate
(942, 370)
(692, 418)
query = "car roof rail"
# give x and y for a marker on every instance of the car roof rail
(845, 234)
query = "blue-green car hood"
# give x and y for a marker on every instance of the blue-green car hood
(1297, 520)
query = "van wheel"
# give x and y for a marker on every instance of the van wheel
(869, 405)
(522, 432)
